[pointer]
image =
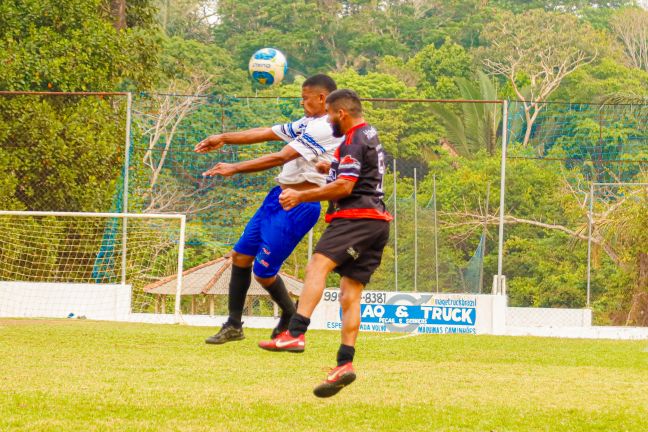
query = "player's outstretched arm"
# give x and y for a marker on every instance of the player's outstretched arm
(262, 163)
(340, 188)
(250, 136)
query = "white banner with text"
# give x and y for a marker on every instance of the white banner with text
(403, 312)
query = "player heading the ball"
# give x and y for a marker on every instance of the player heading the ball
(273, 233)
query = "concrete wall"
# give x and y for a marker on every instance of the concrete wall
(58, 300)
(548, 317)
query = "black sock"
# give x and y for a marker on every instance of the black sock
(279, 294)
(298, 325)
(345, 354)
(238, 288)
(284, 319)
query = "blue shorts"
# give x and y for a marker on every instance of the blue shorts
(273, 233)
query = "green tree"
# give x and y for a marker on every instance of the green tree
(69, 158)
(594, 82)
(579, 7)
(189, 60)
(71, 46)
(405, 128)
(296, 28)
(630, 26)
(188, 19)
(439, 67)
(514, 51)
(475, 127)
(70, 155)
(323, 35)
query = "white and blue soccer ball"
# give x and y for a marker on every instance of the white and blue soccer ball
(268, 66)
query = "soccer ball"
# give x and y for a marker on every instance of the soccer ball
(268, 66)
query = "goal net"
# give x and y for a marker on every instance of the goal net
(89, 265)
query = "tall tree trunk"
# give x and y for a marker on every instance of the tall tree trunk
(118, 10)
(531, 118)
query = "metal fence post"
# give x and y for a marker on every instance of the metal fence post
(590, 216)
(500, 248)
(415, 235)
(436, 234)
(129, 105)
(395, 231)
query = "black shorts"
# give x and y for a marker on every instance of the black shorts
(355, 245)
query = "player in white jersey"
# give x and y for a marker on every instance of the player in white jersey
(273, 233)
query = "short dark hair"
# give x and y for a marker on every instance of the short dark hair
(347, 100)
(321, 81)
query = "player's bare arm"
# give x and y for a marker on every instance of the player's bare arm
(250, 136)
(262, 163)
(340, 188)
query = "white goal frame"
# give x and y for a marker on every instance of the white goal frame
(125, 216)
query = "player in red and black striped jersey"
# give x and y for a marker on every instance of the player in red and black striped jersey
(352, 244)
(361, 160)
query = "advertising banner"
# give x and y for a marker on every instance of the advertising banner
(383, 311)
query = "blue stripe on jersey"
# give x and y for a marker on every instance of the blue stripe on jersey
(311, 140)
(292, 131)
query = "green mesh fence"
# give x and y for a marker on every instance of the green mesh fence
(473, 270)
(166, 176)
(603, 143)
(550, 163)
(553, 159)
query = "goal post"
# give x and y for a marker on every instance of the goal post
(92, 265)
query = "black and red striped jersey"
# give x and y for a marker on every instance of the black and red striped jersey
(361, 159)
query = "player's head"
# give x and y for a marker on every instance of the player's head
(343, 107)
(314, 92)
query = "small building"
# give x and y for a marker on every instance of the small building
(212, 279)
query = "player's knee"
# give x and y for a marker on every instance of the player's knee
(349, 300)
(265, 281)
(241, 260)
(345, 300)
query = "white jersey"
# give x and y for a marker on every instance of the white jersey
(313, 139)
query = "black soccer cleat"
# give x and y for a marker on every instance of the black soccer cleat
(227, 333)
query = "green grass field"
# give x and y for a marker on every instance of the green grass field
(81, 375)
